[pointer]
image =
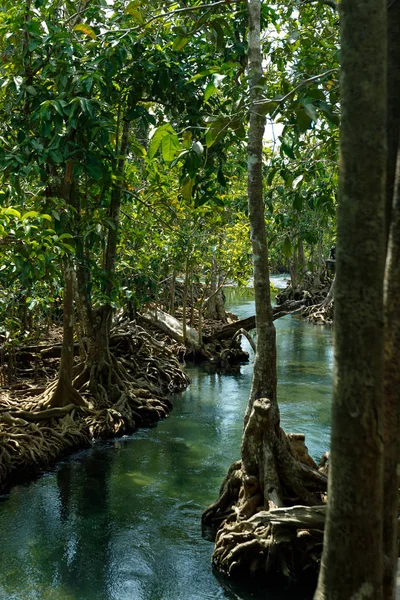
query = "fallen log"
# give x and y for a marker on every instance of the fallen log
(172, 327)
(228, 331)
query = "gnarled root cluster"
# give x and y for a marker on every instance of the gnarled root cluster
(320, 314)
(275, 478)
(112, 397)
(32, 440)
(281, 545)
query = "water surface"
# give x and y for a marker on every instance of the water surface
(121, 521)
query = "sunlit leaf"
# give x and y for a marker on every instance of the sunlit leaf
(180, 42)
(86, 29)
(210, 90)
(32, 214)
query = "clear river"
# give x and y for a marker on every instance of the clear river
(121, 521)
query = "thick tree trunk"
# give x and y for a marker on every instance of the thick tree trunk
(392, 399)
(353, 547)
(392, 307)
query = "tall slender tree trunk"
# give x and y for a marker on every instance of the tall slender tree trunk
(172, 293)
(111, 250)
(269, 472)
(64, 392)
(353, 548)
(264, 376)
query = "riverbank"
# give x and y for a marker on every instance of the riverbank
(34, 437)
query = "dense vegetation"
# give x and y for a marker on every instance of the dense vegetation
(128, 132)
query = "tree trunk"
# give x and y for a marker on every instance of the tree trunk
(185, 297)
(100, 369)
(392, 398)
(264, 376)
(269, 474)
(64, 394)
(392, 308)
(353, 548)
(172, 294)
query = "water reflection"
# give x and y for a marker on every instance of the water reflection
(122, 520)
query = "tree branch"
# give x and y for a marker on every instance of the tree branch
(331, 3)
(292, 92)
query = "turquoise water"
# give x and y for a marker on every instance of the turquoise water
(121, 521)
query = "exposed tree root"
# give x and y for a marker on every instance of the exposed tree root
(106, 399)
(283, 544)
(318, 300)
(321, 314)
(276, 472)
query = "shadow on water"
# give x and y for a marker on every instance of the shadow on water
(121, 521)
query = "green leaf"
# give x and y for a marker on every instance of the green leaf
(287, 248)
(187, 187)
(86, 29)
(303, 121)
(198, 148)
(298, 202)
(158, 135)
(204, 73)
(12, 212)
(328, 112)
(210, 90)
(94, 167)
(56, 156)
(287, 147)
(216, 128)
(219, 34)
(32, 214)
(266, 107)
(311, 111)
(180, 42)
(170, 147)
(132, 10)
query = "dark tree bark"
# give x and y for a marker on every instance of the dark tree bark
(352, 556)
(392, 398)
(392, 307)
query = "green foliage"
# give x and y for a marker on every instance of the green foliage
(68, 85)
